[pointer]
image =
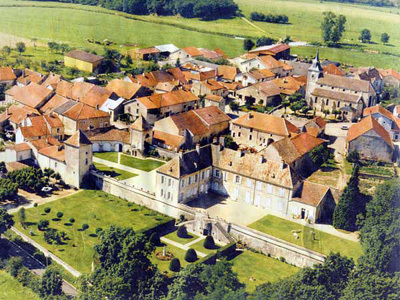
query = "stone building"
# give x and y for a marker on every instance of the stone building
(370, 140)
(262, 93)
(331, 92)
(389, 121)
(259, 130)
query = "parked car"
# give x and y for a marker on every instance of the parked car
(344, 127)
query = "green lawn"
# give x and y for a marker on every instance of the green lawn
(11, 289)
(164, 265)
(174, 237)
(73, 24)
(115, 173)
(110, 156)
(97, 209)
(260, 268)
(199, 247)
(324, 243)
(377, 170)
(141, 164)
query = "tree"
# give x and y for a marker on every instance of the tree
(15, 264)
(22, 217)
(264, 41)
(124, 270)
(191, 255)
(298, 105)
(326, 112)
(155, 239)
(175, 265)
(6, 51)
(234, 106)
(64, 48)
(333, 27)
(350, 204)
(319, 155)
(43, 225)
(60, 214)
(285, 104)
(353, 157)
(385, 38)
(365, 36)
(51, 283)
(209, 242)
(6, 221)
(20, 47)
(182, 231)
(230, 143)
(8, 189)
(305, 110)
(248, 44)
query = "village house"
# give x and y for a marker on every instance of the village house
(294, 152)
(27, 76)
(254, 76)
(215, 100)
(389, 121)
(390, 77)
(278, 51)
(110, 140)
(290, 85)
(227, 73)
(140, 135)
(207, 87)
(313, 202)
(315, 127)
(14, 117)
(195, 126)
(367, 137)
(82, 60)
(40, 127)
(78, 116)
(145, 53)
(278, 67)
(332, 92)
(32, 95)
(127, 90)
(52, 80)
(7, 76)
(264, 93)
(259, 130)
(370, 74)
(158, 106)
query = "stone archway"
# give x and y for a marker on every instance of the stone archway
(107, 147)
(95, 147)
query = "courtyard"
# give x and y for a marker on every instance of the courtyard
(145, 165)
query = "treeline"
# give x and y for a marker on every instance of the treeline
(369, 2)
(204, 9)
(269, 18)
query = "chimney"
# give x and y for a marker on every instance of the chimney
(222, 141)
(249, 116)
(180, 153)
(7, 112)
(198, 148)
(240, 153)
(215, 140)
(97, 106)
(283, 165)
(262, 159)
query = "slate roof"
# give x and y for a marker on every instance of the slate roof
(84, 56)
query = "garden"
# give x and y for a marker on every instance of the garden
(114, 172)
(69, 227)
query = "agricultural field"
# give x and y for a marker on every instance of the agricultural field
(11, 289)
(73, 24)
(324, 243)
(94, 208)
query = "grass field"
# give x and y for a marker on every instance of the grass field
(129, 161)
(324, 243)
(97, 209)
(115, 173)
(199, 247)
(11, 289)
(164, 265)
(73, 24)
(260, 268)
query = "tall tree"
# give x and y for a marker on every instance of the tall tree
(332, 27)
(248, 44)
(385, 38)
(6, 220)
(365, 36)
(51, 283)
(20, 47)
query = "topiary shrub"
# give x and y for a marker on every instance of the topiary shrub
(209, 242)
(175, 265)
(98, 230)
(85, 226)
(60, 215)
(47, 210)
(191, 255)
(71, 220)
(43, 225)
(35, 205)
(155, 239)
(182, 232)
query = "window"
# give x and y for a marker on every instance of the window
(249, 182)
(162, 192)
(190, 180)
(237, 179)
(58, 130)
(269, 189)
(238, 134)
(195, 178)
(169, 195)
(183, 183)
(251, 129)
(327, 101)
(268, 202)
(202, 175)
(259, 185)
(217, 173)
(86, 161)
(169, 182)
(250, 137)
(162, 179)
(233, 134)
(281, 192)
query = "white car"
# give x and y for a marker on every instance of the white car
(344, 127)
(46, 189)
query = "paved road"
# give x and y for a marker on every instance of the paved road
(37, 267)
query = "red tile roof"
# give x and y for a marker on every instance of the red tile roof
(333, 70)
(77, 139)
(7, 74)
(365, 125)
(167, 99)
(82, 111)
(310, 193)
(32, 95)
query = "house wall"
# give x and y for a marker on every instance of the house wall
(367, 145)
(220, 105)
(58, 166)
(81, 65)
(78, 161)
(244, 189)
(252, 91)
(251, 137)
